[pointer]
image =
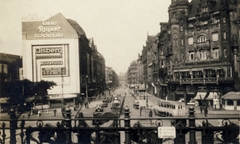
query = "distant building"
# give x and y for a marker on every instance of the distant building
(132, 74)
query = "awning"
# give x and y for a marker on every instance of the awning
(212, 95)
(200, 95)
(232, 96)
(59, 96)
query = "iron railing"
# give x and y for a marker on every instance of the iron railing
(120, 130)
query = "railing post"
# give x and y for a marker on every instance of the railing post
(68, 123)
(192, 127)
(13, 125)
(127, 125)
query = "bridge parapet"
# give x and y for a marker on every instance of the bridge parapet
(78, 130)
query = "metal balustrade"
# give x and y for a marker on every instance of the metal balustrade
(120, 130)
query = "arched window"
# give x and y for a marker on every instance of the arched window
(201, 39)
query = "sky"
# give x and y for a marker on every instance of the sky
(119, 27)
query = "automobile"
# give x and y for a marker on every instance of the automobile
(136, 104)
(105, 103)
(98, 111)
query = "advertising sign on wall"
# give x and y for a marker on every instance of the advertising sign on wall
(50, 61)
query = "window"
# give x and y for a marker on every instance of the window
(203, 55)
(229, 72)
(224, 35)
(215, 53)
(201, 39)
(224, 20)
(225, 53)
(215, 20)
(191, 56)
(190, 40)
(215, 36)
(181, 41)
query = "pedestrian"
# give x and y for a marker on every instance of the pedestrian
(201, 109)
(150, 114)
(39, 113)
(29, 114)
(205, 110)
(141, 111)
(55, 112)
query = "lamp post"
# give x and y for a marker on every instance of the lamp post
(86, 87)
(62, 86)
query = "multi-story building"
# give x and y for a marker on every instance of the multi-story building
(112, 79)
(58, 50)
(10, 69)
(109, 77)
(132, 73)
(203, 61)
(198, 50)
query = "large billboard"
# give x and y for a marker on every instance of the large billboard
(51, 62)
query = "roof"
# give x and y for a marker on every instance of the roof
(195, 5)
(232, 96)
(77, 27)
(9, 58)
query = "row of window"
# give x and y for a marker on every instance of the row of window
(202, 54)
(203, 39)
(227, 70)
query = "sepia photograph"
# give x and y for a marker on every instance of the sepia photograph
(120, 72)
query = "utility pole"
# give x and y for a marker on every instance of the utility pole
(86, 87)
(62, 85)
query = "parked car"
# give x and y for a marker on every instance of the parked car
(136, 104)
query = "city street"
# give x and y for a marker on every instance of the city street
(134, 113)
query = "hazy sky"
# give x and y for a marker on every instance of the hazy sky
(119, 27)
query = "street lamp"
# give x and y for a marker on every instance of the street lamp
(86, 87)
(62, 86)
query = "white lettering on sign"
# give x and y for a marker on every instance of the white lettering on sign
(166, 132)
(57, 35)
(48, 23)
(51, 63)
(49, 28)
(48, 50)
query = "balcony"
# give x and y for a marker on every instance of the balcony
(211, 80)
(202, 45)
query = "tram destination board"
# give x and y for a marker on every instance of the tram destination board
(166, 132)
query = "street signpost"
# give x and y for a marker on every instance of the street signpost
(166, 132)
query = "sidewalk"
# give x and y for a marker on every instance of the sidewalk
(152, 99)
(49, 114)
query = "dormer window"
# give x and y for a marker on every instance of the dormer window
(201, 39)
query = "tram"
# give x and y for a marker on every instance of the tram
(170, 108)
(117, 104)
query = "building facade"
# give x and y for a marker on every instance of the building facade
(58, 50)
(10, 70)
(197, 52)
